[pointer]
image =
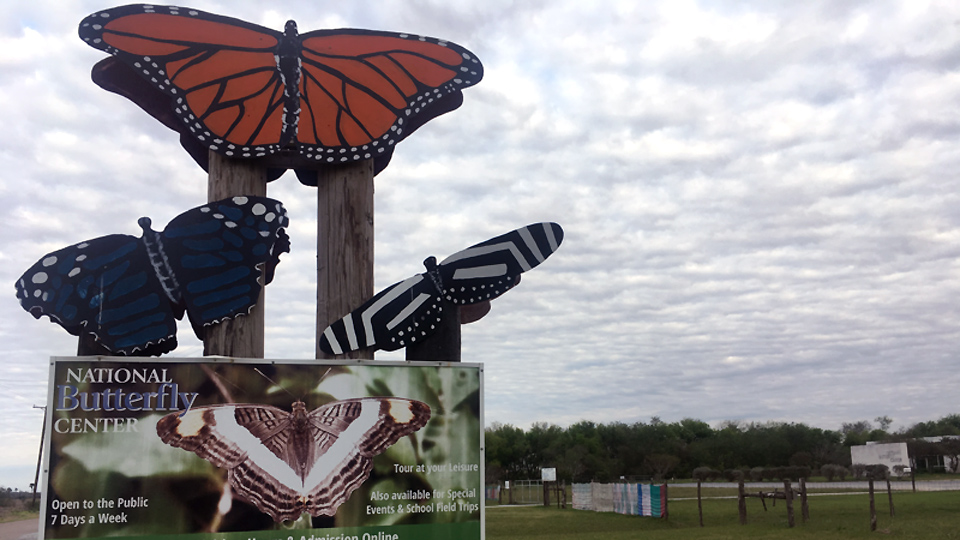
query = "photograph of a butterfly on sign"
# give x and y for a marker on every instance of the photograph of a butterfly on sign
(256, 446)
(305, 451)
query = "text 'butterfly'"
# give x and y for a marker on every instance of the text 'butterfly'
(288, 463)
(409, 311)
(127, 292)
(243, 90)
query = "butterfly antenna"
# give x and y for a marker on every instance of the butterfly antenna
(221, 383)
(275, 383)
(320, 380)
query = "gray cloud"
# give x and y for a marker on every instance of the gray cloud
(759, 202)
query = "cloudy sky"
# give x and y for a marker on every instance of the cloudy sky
(759, 199)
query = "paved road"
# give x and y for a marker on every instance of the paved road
(19, 530)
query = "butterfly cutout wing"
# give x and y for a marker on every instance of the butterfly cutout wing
(223, 253)
(489, 269)
(248, 91)
(106, 287)
(128, 292)
(410, 310)
(398, 315)
(266, 449)
(363, 90)
(220, 71)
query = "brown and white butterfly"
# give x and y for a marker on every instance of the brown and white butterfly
(288, 463)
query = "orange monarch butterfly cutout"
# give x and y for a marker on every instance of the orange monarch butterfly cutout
(331, 96)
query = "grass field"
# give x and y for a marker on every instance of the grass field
(920, 516)
(17, 515)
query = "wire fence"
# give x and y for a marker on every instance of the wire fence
(895, 485)
(525, 492)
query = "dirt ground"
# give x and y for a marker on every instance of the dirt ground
(17, 530)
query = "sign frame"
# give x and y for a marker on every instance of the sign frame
(375, 516)
(548, 474)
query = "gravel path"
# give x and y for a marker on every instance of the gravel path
(19, 530)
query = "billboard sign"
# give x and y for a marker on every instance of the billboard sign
(238, 449)
(889, 454)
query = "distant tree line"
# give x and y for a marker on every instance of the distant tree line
(587, 451)
(10, 496)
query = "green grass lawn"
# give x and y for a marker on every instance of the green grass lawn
(17, 515)
(921, 516)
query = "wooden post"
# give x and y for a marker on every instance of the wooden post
(242, 336)
(804, 508)
(666, 501)
(742, 503)
(913, 478)
(546, 493)
(344, 245)
(87, 345)
(873, 508)
(699, 502)
(890, 496)
(788, 495)
(444, 344)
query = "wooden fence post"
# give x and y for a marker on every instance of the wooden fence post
(890, 496)
(699, 502)
(666, 501)
(742, 503)
(804, 508)
(788, 495)
(873, 508)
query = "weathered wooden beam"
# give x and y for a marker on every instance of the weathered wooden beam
(804, 507)
(890, 496)
(742, 503)
(243, 336)
(87, 345)
(444, 344)
(788, 495)
(699, 502)
(344, 245)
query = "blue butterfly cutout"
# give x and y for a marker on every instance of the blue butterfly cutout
(410, 310)
(209, 262)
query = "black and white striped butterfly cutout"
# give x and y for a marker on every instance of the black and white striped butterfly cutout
(409, 311)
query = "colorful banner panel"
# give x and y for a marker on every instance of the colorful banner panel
(630, 499)
(225, 449)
